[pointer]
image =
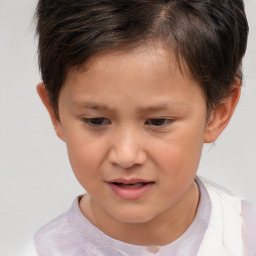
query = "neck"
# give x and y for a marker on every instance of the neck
(162, 230)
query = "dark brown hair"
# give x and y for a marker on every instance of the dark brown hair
(209, 36)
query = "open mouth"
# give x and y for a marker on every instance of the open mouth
(131, 185)
(130, 189)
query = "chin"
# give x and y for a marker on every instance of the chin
(133, 217)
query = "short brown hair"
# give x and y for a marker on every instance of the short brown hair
(210, 36)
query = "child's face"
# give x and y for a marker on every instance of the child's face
(133, 118)
(134, 128)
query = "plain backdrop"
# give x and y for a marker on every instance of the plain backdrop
(36, 181)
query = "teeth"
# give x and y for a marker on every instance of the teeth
(136, 185)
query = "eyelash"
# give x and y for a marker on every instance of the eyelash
(101, 121)
(160, 122)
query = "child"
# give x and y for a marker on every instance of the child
(134, 89)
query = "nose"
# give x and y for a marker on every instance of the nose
(127, 149)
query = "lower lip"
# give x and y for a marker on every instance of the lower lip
(130, 193)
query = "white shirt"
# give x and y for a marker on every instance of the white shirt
(224, 225)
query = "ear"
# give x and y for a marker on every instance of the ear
(43, 94)
(222, 114)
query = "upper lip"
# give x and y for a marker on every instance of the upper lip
(129, 181)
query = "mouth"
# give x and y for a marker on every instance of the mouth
(131, 185)
(130, 189)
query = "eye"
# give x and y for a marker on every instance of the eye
(158, 122)
(98, 121)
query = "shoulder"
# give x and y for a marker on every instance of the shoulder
(73, 234)
(221, 196)
(68, 234)
(51, 235)
(54, 227)
(247, 208)
(212, 186)
(232, 221)
(59, 236)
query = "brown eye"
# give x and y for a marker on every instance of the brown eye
(158, 121)
(96, 121)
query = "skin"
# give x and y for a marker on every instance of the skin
(130, 92)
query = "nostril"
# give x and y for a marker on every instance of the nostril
(127, 158)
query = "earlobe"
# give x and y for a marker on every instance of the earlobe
(221, 115)
(43, 94)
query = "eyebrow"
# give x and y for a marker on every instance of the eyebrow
(163, 106)
(92, 105)
(146, 109)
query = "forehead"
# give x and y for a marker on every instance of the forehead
(149, 47)
(151, 56)
(147, 77)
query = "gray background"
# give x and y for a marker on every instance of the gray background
(36, 181)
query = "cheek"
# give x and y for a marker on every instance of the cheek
(178, 164)
(85, 158)
(181, 153)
